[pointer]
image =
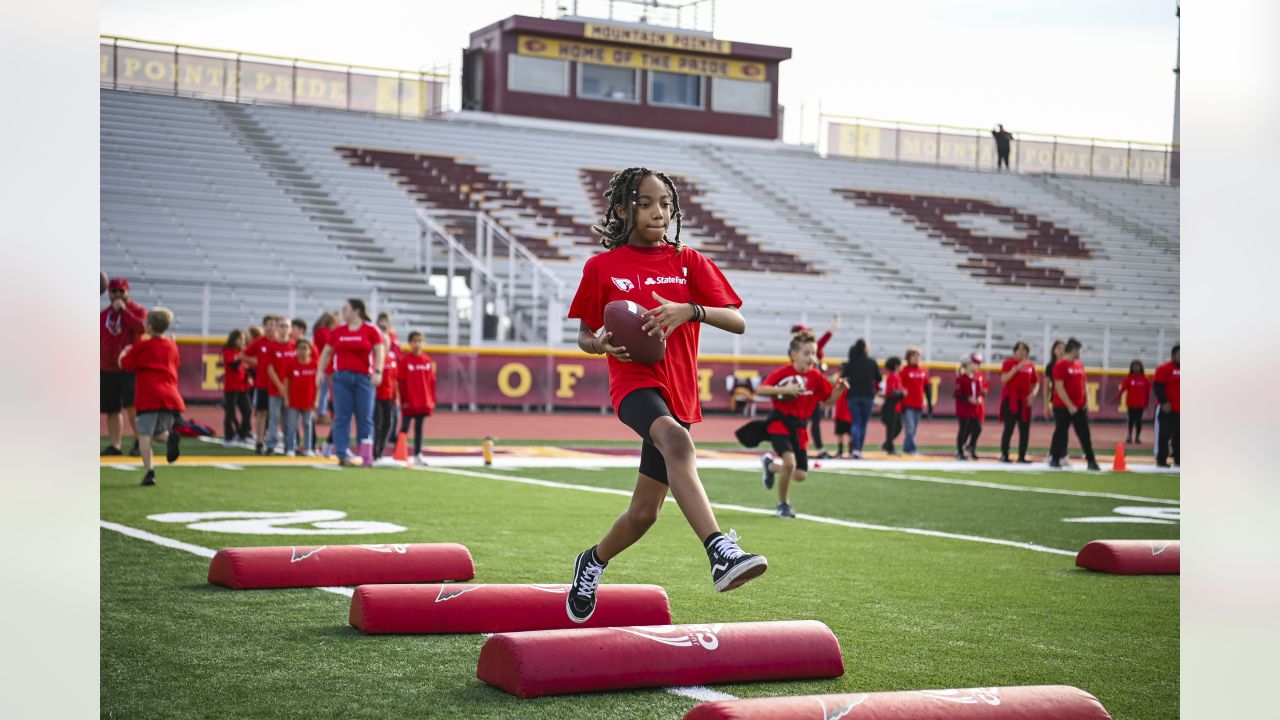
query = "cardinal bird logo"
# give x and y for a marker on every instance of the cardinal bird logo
(300, 554)
(704, 636)
(624, 284)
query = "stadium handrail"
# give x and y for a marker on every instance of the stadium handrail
(268, 56)
(568, 353)
(969, 128)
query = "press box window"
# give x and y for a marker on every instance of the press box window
(675, 89)
(537, 75)
(602, 82)
(744, 97)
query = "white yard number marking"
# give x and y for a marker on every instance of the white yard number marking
(318, 522)
(1127, 514)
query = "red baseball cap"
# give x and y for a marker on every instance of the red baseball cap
(118, 284)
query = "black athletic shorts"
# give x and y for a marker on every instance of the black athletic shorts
(261, 399)
(637, 411)
(784, 444)
(843, 427)
(115, 391)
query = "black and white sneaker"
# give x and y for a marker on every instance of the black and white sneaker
(973, 454)
(1005, 459)
(731, 568)
(960, 456)
(766, 462)
(172, 447)
(824, 455)
(1094, 467)
(149, 479)
(784, 511)
(1055, 464)
(855, 455)
(581, 602)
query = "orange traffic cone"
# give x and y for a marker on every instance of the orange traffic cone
(1118, 465)
(402, 449)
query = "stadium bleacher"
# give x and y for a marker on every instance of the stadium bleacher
(279, 208)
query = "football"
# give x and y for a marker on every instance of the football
(625, 319)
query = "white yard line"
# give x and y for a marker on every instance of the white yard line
(1000, 486)
(763, 511)
(696, 692)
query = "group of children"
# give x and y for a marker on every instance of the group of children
(272, 375)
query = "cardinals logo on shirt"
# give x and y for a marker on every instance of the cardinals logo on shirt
(624, 284)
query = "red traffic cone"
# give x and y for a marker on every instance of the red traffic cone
(1119, 465)
(402, 449)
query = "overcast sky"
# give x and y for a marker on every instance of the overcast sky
(1080, 67)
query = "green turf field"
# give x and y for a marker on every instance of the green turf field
(910, 611)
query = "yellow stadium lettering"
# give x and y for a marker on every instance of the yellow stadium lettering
(192, 74)
(261, 81)
(131, 66)
(569, 376)
(524, 380)
(154, 70)
(704, 384)
(1091, 391)
(315, 88)
(215, 76)
(934, 382)
(282, 84)
(338, 90)
(104, 64)
(212, 371)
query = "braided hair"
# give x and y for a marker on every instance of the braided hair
(623, 190)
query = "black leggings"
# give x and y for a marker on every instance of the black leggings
(815, 427)
(967, 437)
(417, 429)
(1135, 423)
(1011, 420)
(233, 402)
(1168, 436)
(381, 425)
(1063, 420)
(892, 426)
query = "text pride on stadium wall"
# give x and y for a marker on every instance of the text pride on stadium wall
(503, 378)
(619, 56)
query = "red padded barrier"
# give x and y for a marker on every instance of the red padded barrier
(550, 662)
(1031, 702)
(1130, 557)
(280, 567)
(498, 608)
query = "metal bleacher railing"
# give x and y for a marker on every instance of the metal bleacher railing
(231, 75)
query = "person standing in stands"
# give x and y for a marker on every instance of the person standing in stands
(863, 377)
(1055, 354)
(358, 352)
(1136, 389)
(815, 422)
(235, 392)
(1169, 396)
(915, 383)
(1018, 384)
(120, 325)
(1004, 140)
(1070, 406)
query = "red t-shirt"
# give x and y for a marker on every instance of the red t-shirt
(320, 338)
(967, 387)
(353, 349)
(118, 330)
(417, 375)
(814, 386)
(1137, 391)
(1024, 380)
(300, 381)
(235, 374)
(984, 387)
(842, 407)
(892, 383)
(260, 349)
(154, 362)
(914, 381)
(1168, 373)
(387, 390)
(1070, 375)
(634, 273)
(282, 354)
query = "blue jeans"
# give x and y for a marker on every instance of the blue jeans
(910, 419)
(275, 414)
(352, 395)
(860, 409)
(299, 423)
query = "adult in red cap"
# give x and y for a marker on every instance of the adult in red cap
(119, 326)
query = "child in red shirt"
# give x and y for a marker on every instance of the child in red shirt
(417, 375)
(301, 393)
(1069, 406)
(891, 411)
(915, 383)
(1136, 389)
(968, 394)
(658, 401)
(235, 392)
(154, 362)
(796, 390)
(386, 397)
(844, 420)
(257, 356)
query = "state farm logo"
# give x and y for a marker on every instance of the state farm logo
(703, 636)
(624, 284)
(970, 696)
(666, 280)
